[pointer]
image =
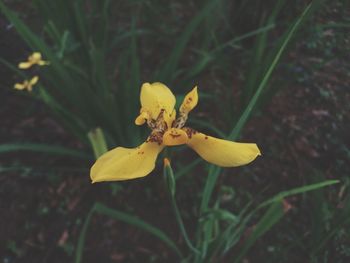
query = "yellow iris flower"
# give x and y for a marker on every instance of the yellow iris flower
(157, 110)
(27, 84)
(33, 59)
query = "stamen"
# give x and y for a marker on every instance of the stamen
(181, 120)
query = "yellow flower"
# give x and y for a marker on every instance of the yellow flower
(27, 84)
(33, 59)
(157, 110)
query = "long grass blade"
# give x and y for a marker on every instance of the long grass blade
(253, 101)
(124, 217)
(42, 148)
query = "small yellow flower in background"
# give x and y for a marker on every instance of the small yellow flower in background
(157, 110)
(27, 84)
(33, 59)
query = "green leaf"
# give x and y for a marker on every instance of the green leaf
(168, 71)
(298, 190)
(124, 217)
(254, 100)
(98, 141)
(272, 216)
(43, 148)
(171, 184)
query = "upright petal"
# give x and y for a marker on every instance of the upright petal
(35, 57)
(155, 97)
(222, 152)
(126, 163)
(34, 80)
(190, 101)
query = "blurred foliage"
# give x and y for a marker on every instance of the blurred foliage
(101, 52)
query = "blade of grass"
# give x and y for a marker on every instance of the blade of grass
(298, 190)
(214, 54)
(124, 217)
(167, 74)
(272, 216)
(98, 141)
(42, 148)
(187, 168)
(247, 112)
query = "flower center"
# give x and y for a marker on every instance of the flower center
(166, 130)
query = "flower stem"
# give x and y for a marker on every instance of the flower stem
(170, 183)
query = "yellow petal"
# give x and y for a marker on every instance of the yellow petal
(174, 137)
(35, 57)
(34, 80)
(25, 65)
(19, 86)
(155, 97)
(141, 119)
(190, 101)
(126, 163)
(222, 152)
(169, 118)
(43, 63)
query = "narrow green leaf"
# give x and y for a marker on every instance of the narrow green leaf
(124, 217)
(253, 101)
(42, 148)
(170, 183)
(272, 216)
(98, 141)
(168, 71)
(298, 190)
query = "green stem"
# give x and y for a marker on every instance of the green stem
(170, 183)
(182, 226)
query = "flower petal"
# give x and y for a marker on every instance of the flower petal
(43, 63)
(141, 119)
(20, 86)
(25, 65)
(222, 152)
(155, 97)
(174, 137)
(190, 101)
(35, 57)
(34, 80)
(126, 163)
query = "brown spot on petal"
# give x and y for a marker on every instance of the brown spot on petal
(189, 131)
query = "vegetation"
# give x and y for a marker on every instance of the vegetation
(272, 73)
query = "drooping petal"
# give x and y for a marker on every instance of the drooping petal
(20, 86)
(190, 101)
(222, 152)
(155, 97)
(25, 65)
(126, 163)
(174, 137)
(43, 63)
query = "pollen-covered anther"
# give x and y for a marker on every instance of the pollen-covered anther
(174, 137)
